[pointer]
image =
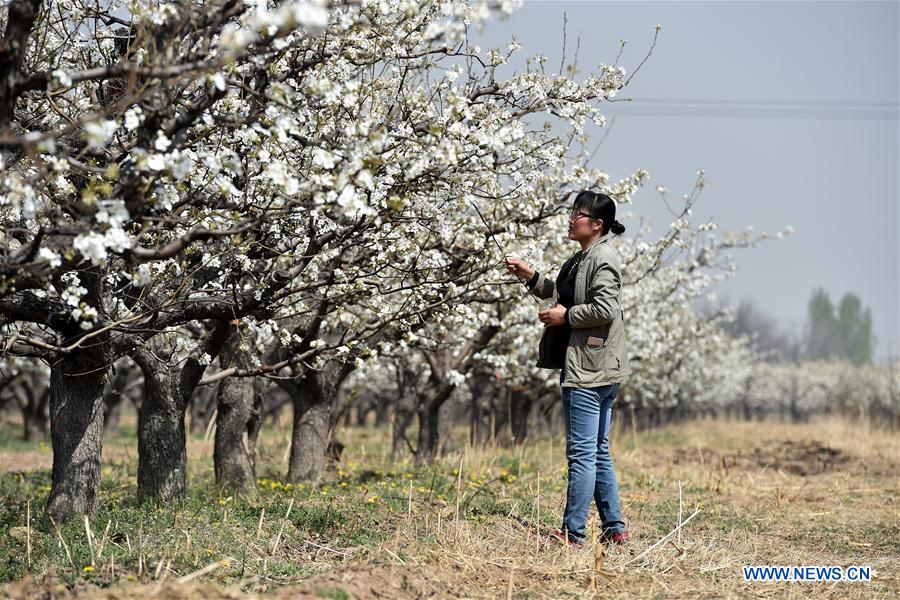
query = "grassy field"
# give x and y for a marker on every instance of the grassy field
(824, 493)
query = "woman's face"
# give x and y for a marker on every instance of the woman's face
(581, 226)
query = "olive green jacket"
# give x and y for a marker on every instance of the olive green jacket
(597, 353)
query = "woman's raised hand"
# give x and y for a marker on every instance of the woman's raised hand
(519, 268)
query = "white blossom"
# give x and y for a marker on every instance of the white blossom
(133, 118)
(310, 14)
(91, 245)
(50, 256)
(277, 171)
(60, 79)
(99, 133)
(162, 142)
(142, 276)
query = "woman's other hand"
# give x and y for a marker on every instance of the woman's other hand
(552, 317)
(519, 268)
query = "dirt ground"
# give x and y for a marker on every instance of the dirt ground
(822, 493)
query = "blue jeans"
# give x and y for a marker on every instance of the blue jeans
(588, 412)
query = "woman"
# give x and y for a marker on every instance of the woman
(584, 336)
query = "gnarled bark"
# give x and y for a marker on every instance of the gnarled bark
(162, 441)
(162, 453)
(20, 20)
(76, 430)
(313, 397)
(237, 412)
(309, 438)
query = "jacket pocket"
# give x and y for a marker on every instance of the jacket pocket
(594, 358)
(601, 360)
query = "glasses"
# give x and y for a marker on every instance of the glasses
(577, 214)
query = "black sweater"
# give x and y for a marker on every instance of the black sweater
(558, 336)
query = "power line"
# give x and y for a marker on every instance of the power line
(773, 109)
(800, 103)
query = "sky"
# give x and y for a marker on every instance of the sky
(791, 109)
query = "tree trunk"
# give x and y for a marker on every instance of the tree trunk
(404, 411)
(521, 400)
(34, 416)
(202, 408)
(404, 407)
(21, 15)
(234, 451)
(76, 430)
(112, 398)
(483, 391)
(233, 456)
(428, 410)
(439, 388)
(162, 440)
(357, 415)
(475, 431)
(382, 413)
(255, 422)
(309, 437)
(429, 433)
(313, 398)
(162, 451)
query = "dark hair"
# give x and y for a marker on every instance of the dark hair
(599, 206)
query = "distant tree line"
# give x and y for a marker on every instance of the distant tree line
(841, 331)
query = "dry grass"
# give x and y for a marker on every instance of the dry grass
(824, 493)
